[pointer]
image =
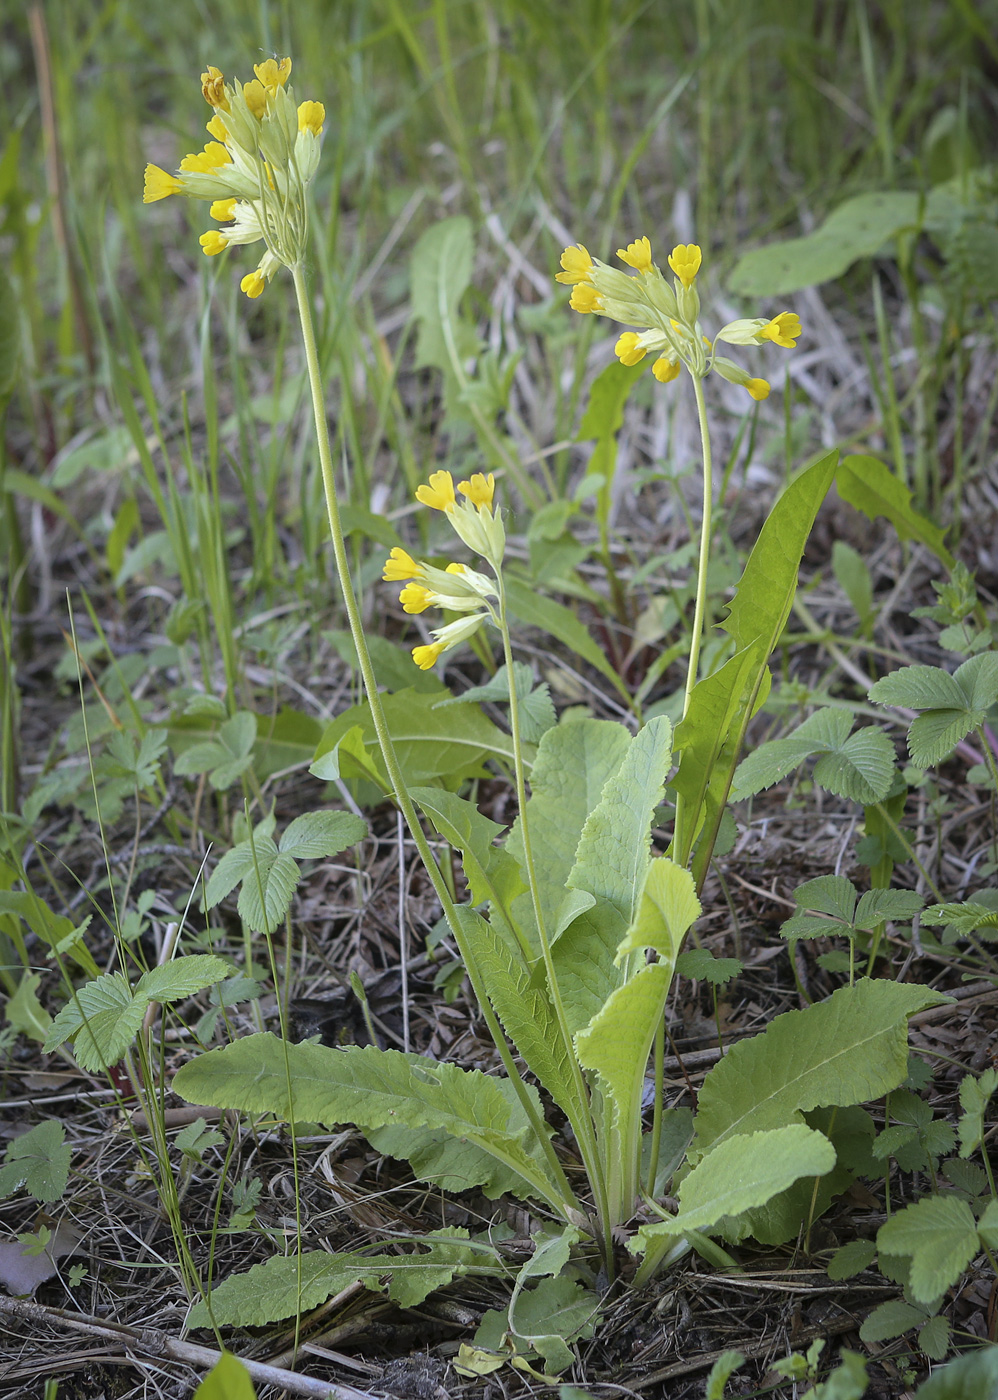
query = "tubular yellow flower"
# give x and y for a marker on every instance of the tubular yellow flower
(206, 162)
(217, 128)
(213, 88)
(584, 298)
(758, 388)
(399, 565)
(577, 264)
(273, 73)
(479, 490)
(637, 255)
(665, 370)
(253, 283)
(782, 330)
(212, 242)
(159, 185)
(223, 209)
(439, 495)
(311, 115)
(425, 657)
(685, 260)
(255, 95)
(415, 598)
(627, 349)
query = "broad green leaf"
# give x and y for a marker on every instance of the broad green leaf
(548, 1316)
(613, 852)
(975, 1095)
(862, 770)
(761, 605)
(878, 906)
(859, 767)
(891, 1320)
(524, 1008)
(102, 1020)
(939, 1234)
(572, 765)
(667, 909)
(450, 1163)
(829, 894)
(602, 420)
(701, 965)
(266, 893)
(349, 757)
(283, 741)
(742, 1173)
(954, 704)
(439, 277)
(491, 871)
(52, 929)
(370, 1088)
(975, 1374)
(920, 688)
(270, 1292)
(846, 1050)
(183, 977)
(536, 610)
(38, 1159)
(234, 866)
(870, 485)
(721, 1372)
(853, 575)
(859, 228)
(228, 1379)
(318, 834)
(584, 960)
(24, 1012)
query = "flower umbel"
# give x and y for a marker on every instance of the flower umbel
(257, 169)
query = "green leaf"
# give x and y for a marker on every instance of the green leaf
(270, 1292)
(235, 864)
(881, 906)
(102, 1020)
(10, 341)
(448, 1163)
(552, 1314)
(859, 228)
(859, 767)
(829, 894)
(38, 1159)
(370, 1088)
(853, 575)
(24, 1012)
(573, 764)
(846, 1050)
(954, 704)
(613, 852)
(228, 1379)
(318, 834)
(348, 757)
(667, 908)
(183, 977)
(721, 1372)
(585, 963)
(740, 1174)
(701, 965)
(975, 1095)
(966, 916)
(851, 1259)
(267, 890)
(975, 1374)
(534, 609)
(439, 277)
(891, 1320)
(939, 1234)
(225, 757)
(870, 485)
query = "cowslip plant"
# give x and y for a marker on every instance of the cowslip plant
(573, 929)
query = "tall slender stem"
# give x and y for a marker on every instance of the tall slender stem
(705, 534)
(392, 766)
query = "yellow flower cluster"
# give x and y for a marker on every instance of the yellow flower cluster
(671, 313)
(255, 171)
(458, 588)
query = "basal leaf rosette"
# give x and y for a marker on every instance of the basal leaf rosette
(670, 314)
(476, 521)
(256, 169)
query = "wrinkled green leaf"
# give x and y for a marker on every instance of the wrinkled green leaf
(39, 1160)
(939, 1235)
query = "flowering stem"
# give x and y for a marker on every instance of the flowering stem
(582, 1123)
(561, 1197)
(705, 534)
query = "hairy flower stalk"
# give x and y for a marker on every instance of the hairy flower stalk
(673, 334)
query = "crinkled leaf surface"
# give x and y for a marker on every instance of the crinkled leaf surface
(39, 1160)
(846, 1050)
(267, 890)
(585, 963)
(112, 1019)
(975, 1095)
(857, 766)
(667, 909)
(315, 835)
(183, 977)
(939, 1234)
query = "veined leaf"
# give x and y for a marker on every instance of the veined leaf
(181, 978)
(317, 834)
(440, 276)
(975, 1095)
(859, 767)
(613, 852)
(973, 1374)
(846, 1050)
(870, 485)
(371, 1088)
(560, 622)
(38, 1159)
(584, 962)
(228, 1379)
(102, 1020)
(741, 1174)
(667, 909)
(954, 704)
(939, 1235)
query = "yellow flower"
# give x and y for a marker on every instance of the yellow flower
(415, 598)
(685, 261)
(253, 283)
(213, 88)
(758, 388)
(256, 98)
(223, 209)
(479, 490)
(439, 495)
(206, 162)
(311, 115)
(399, 565)
(213, 242)
(159, 185)
(455, 569)
(627, 349)
(584, 298)
(782, 330)
(665, 370)
(577, 264)
(273, 72)
(637, 255)
(425, 657)
(217, 128)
